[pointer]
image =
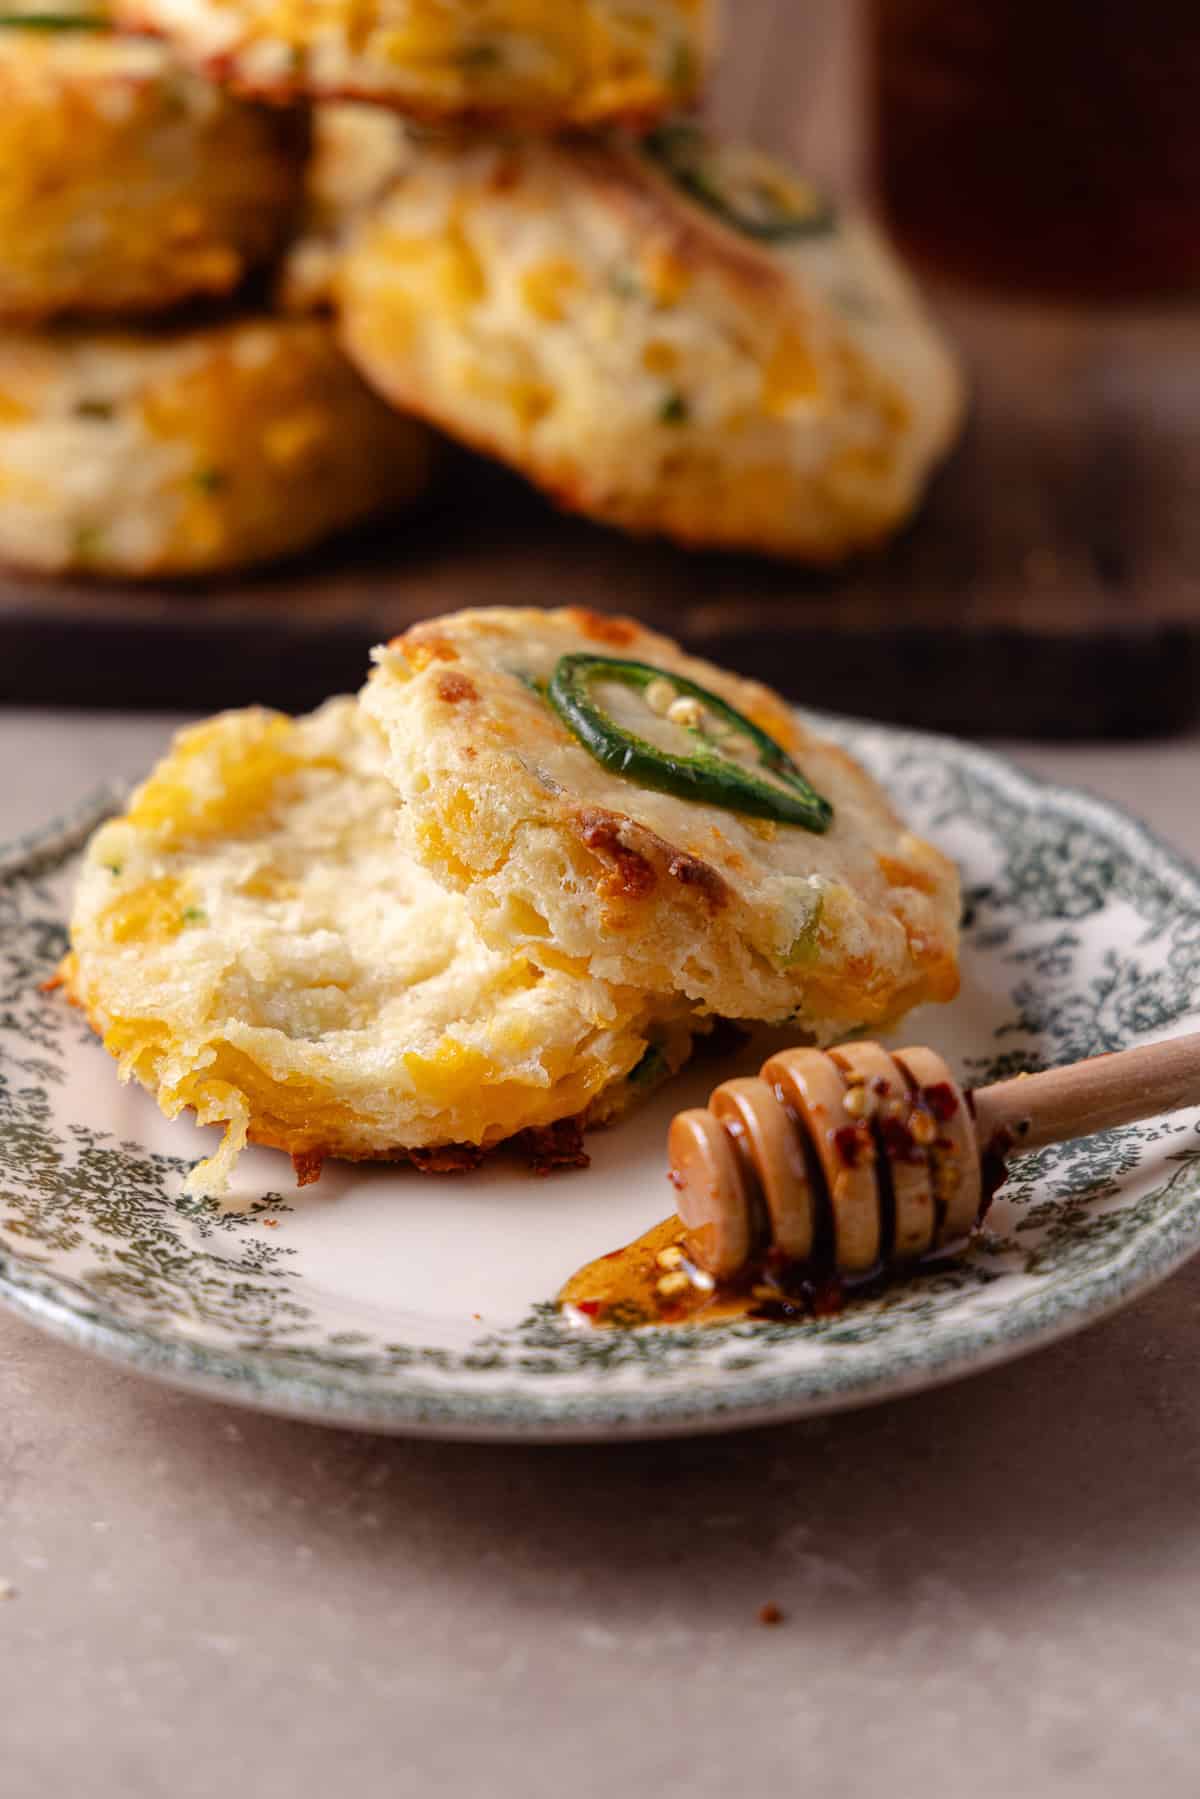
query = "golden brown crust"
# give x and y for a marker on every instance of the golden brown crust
(548, 1148)
(359, 55)
(307, 1164)
(128, 185)
(599, 627)
(255, 948)
(564, 855)
(175, 452)
(454, 689)
(230, 73)
(636, 860)
(570, 310)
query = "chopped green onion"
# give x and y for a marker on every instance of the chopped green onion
(651, 1068)
(805, 946)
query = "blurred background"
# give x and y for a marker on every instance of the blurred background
(1038, 165)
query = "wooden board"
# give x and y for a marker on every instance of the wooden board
(1050, 587)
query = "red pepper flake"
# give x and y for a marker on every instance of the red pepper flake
(770, 1614)
(829, 1298)
(676, 1179)
(850, 1142)
(589, 1307)
(272, 1224)
(671, 1312)
(898, 1141)
(940, 1100)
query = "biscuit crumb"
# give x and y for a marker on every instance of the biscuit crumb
(308, 1164)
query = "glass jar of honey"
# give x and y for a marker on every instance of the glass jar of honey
(1047, 146)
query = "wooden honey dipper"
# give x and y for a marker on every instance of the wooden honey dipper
(859, 1157)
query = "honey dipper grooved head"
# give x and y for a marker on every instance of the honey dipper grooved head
(713, 1201)
(857, 1157)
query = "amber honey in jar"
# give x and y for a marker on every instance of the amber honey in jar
(1048, 146)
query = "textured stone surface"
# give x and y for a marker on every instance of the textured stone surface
(987, 1590)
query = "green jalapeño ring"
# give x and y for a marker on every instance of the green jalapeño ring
(706, 775)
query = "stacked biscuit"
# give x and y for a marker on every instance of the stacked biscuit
(562, 268)
(157, 416)
(420, 924)
(512, 227)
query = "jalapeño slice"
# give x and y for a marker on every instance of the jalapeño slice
(705, 775)
(742, 186)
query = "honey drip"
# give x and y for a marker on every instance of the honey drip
(623, 1290)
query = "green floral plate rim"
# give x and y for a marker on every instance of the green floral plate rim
(1082, 934)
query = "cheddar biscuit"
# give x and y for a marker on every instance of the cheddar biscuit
(127, 183)
(250, 944)
(712, 893)
(666, 334)
(357, 153)
(190, 450)
(531, 64)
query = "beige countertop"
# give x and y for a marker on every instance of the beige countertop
(988, 1590)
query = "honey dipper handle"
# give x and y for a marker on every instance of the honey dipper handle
(1083, 1097)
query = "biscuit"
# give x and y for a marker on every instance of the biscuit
(250, 943)
(665, 334)
(357, 153)
(532, 64)
(129, 184)
(558, 855)
(190, 450)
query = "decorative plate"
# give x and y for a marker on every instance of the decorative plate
(396, 1302)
